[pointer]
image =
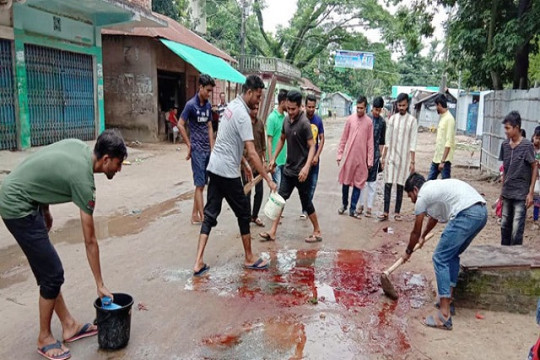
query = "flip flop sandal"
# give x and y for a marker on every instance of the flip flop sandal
(255, 265)
(266, 237)
(202, 271)
(258, 222)
(57, 345)
(398, 217)
(341, 210)
(356, 216)
(382, 217)
(83, 333)
(360, 211)
(313, 239)
(368, 213)
(444, 325)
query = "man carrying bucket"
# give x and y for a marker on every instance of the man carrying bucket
(300, 152)
(235, 132)
(59, 173)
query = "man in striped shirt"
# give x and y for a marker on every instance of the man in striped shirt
(401, 133)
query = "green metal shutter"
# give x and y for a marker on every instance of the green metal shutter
(8, 125)
(60, 95)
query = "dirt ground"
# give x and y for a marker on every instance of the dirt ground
(317, 301)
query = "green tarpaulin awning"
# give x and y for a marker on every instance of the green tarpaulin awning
(205, 63)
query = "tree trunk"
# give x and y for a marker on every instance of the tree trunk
(495, 76)
(521, 61)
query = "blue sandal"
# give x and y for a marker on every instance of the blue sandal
(57, 345)
(444, 323)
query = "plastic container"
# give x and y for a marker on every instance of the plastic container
(274, 205)
(107, 304)
(114, 325)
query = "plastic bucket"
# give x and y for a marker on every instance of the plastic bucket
(114, 325)
(274, 205)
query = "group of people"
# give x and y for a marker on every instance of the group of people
(286, 157)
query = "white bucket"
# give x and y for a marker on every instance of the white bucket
(274, 205)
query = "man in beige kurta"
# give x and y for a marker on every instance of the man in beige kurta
(401, 133)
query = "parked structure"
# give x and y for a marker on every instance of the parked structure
(337, 104)
(149, 70)
(470, 112)
(51, 72)
(424, 109)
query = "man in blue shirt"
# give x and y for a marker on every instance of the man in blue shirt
(317, 129)
(198, 115)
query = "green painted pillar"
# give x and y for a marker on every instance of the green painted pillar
(23, 117)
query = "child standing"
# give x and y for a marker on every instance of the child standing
(536, 211)
(520, 171)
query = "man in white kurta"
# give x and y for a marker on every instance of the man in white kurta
(398, 154)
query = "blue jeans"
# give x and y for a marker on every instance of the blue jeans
(456, 237)
(434, 171)
(513, 221)
(354, 198)
(276, 176)
(312, 178)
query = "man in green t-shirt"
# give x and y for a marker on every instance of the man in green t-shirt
(274, 124)
(59, 173)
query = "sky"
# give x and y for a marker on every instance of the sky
(279, 12)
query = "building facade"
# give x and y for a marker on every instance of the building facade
(51, 67)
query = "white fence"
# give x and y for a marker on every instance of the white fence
(496, 106)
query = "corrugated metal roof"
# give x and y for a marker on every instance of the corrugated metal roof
(175, 32)
(307, 84)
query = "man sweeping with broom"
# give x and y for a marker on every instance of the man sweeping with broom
(459, 204)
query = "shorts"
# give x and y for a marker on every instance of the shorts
(199, 163)
(33, 238)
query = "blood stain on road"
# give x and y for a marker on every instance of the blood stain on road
(345, 282)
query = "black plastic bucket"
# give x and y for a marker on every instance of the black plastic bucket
(114, 325)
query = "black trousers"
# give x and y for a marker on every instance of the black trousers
(33, 238)
(287, 185)
(257, 199)
(399, 197)
(220, 187)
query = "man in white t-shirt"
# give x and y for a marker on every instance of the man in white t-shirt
(456, 202)
(235, 132)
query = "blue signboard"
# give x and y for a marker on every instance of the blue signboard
(354, 59)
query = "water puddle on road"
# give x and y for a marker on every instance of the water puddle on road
(348, 317)
(14, 266)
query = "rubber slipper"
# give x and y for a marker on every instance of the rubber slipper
(341, 210)
(83, 333)
(303, 216)
(258, 222)
(382, 217)
(444, 325)
(255, 265)
(356, 216)
(360, 210)
(202, 271)
(313, 239)
(57, 345)
(398, 217)
(266, 237)
(368, 213)
(196, 222)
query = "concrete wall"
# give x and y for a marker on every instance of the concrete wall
(496, 106)
(130, 86)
